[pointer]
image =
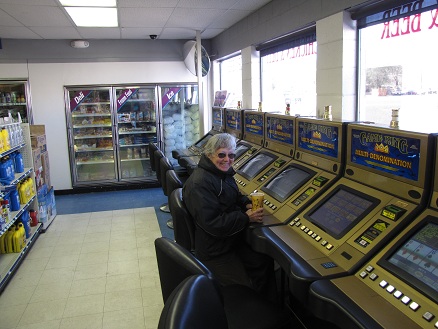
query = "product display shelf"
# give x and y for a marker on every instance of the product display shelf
(84, 115)
(100, 125)
(92, 136)
(93, 149)
(94, 162)
(9, 262)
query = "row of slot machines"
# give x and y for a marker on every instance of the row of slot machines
(351, 213)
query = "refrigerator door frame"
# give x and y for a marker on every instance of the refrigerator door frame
(27, 95)
(73, 166)
(160, 105)
(115, 88)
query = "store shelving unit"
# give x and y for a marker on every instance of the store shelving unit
(9, 262)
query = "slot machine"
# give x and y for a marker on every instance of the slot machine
(253, 135)
(254, 170)
(196, 149)
(317, 164)
(397, 288)
(384, 186)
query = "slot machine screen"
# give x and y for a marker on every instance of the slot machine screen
(320, 137)
(256, 164)
(253, 123)
(218, 120)
(340, 210)
(280, 129)
(203, 141)
(414, 259)
(287, 182)
(241, 148)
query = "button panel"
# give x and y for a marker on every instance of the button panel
(413, 305)
(312, 234)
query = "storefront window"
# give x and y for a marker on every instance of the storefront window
(231, 78)
(398, 68)
(289, 77)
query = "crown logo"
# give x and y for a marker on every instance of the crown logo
(279, 127)
(316, 134)
(381, 148)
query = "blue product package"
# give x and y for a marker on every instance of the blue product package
(25, 219)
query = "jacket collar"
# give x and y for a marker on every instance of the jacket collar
(208, 165)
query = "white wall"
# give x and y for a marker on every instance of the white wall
(47, 81)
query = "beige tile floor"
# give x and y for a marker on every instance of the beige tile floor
(92, 270)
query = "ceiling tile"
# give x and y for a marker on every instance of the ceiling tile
(147, 3)
(30, 2)
(37, 15)
(198, 19)
(208, 4)
(18, 32)
(144, 17)
(229, 19)
(99, 32)
(211, 33)
(7, 20)
(178, 33)
(58, 33)
(139, 33)
(251, 5)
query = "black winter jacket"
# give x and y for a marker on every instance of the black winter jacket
(215, 202)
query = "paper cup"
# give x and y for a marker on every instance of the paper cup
(257, 200)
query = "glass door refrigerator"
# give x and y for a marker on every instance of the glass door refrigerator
(109, 130)
(14, 99)
(91, 136)
(136, 127)
(179, 118)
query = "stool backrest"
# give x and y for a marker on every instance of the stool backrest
(152, 148)
(158, 155)
(165, 165)
(195, 303)
(173, 181)
(175, 264)
(183, 223)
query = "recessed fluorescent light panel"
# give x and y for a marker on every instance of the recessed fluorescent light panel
(92, 13)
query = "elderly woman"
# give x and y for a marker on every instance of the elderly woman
(221, 215)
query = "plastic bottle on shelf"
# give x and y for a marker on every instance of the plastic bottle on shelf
(27, 190)
(3, 243)
(22, 235)
(6, 211)
(18, 162)
(2, 144)
(15, 200)
(2, 223)
(21, 192)
(6, 142)
(9, 238)
(33, 217)
(25, 219)
(32, 187)
(17, 240)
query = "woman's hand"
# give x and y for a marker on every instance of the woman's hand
(255, 216)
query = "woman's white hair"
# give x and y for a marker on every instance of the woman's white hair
(218, 141)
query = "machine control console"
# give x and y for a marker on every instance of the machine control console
(397, 294)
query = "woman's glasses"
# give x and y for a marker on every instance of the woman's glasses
(223, 155)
